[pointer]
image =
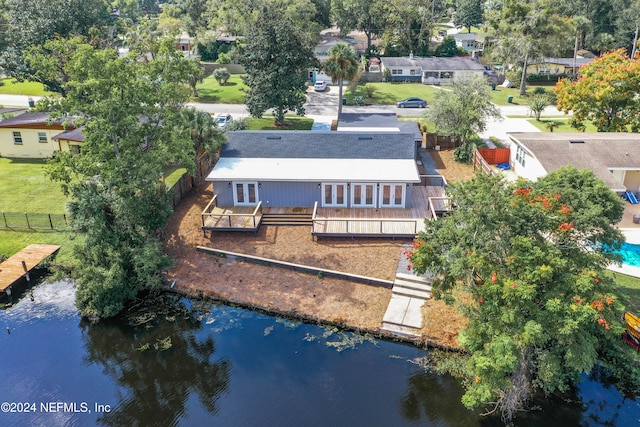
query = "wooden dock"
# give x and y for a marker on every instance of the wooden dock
(16, 267)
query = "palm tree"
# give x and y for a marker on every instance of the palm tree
(207, 139)
(342, 64)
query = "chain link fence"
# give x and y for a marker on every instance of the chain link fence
(33, 221)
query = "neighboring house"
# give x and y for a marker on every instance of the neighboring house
(554, 66)
(612, 156)
(432, 70)
(70, 140)
(31, 135)
(326, 175)
(184, 42)
(321, 52)
(468, 41)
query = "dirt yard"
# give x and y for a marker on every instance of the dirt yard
(357, 305)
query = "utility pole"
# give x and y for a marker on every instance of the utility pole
(635, 44)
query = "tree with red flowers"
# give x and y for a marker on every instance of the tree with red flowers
(606, 93)
(525, 263)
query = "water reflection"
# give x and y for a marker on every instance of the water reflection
(157, 382)
(233, 367)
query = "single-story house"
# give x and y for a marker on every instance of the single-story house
(552, 66)
(467, 41)
(31, 135)
(612, 156)
(70, 140)
(431, 70)
(321, 52)
(364, 183)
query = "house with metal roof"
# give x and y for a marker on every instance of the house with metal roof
(31, 135)
(431, 70)
(612, 156)
(556, 66)
(341, 183)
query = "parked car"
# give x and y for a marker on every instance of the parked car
(411, 103)
(222, 120)
(320, 86)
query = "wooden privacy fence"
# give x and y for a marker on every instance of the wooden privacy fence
(33, 220)
(433, 140)
(180, 189)
(494, 156)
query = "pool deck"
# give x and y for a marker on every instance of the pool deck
(632, 236)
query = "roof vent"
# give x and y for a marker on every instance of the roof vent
(274, 137)
(576, 141)
(362, 138)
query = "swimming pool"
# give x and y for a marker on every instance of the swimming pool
(630, 254)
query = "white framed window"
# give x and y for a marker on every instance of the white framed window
(412, 72)
(520, 155)
(396, 71)
(392, 195)
(17, 138)
(42, 137)
(245, 193)
(363, 195)
(334, 194)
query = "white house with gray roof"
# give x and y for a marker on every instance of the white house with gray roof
(612, 156)
(432, 70)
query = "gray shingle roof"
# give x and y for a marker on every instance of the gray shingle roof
(369, 120)
(70, 135)
(434, 63)
(319, 145)
(599, 152)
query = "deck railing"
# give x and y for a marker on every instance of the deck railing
(439, 206)
(231, 219)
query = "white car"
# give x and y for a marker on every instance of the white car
(222, 120)
(320, 86)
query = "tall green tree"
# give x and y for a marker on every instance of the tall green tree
(361, 15)
(525, 271)
(342, 64)
(277, 61)
(32, 22)
(448, 48)
(412, 22)
(462, 112)
(527, 31)
(207, 139)
(468, 14)
(130, 113)
(606, 94)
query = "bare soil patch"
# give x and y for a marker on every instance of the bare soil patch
(453, 171)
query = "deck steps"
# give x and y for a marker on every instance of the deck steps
(287, 219)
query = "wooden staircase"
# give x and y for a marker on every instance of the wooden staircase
(287, 219)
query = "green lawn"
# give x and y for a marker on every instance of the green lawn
(25, 188)
(291, 123)
(629, 288)
(231, 93)
(172, 174)
(9, 86)
(564, 125)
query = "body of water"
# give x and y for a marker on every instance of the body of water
(195, 363)
(630, 254)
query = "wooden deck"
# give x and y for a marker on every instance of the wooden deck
(356, 222)
(17, 266)
(367, 222)
(231, 218)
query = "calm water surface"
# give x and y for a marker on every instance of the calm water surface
(198, 364)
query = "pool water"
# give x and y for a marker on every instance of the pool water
(630, 254)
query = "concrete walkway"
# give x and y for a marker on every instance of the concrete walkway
(404, 313)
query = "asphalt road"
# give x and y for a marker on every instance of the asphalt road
(324, 106)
